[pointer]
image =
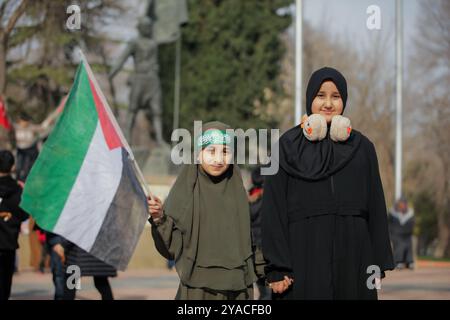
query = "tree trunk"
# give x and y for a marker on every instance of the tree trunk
(443, 237)
(447, 252)
(443, 218)
(2, 66)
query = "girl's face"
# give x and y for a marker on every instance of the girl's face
(215, 159)
(328, 101)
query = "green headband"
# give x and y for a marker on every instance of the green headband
(213, 136)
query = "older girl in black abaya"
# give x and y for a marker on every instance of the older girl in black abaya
(324, 220)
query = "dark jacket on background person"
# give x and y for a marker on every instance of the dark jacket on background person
(10, 193)
(401, 228)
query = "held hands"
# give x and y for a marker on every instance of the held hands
(5, 215)
(281, 286)
(155, 207)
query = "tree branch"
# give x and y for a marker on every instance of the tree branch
(14, 17)
(2, 8)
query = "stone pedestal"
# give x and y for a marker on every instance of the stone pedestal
(153, 159)
(158, 162)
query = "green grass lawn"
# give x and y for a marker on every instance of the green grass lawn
(429, 258)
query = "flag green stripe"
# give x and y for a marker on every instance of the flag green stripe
(54, 173)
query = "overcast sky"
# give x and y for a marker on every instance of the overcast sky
(348, 17)
(344, 18)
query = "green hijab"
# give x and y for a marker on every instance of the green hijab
(212, 214)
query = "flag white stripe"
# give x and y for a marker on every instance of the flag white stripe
(113, 120)
(92, 193)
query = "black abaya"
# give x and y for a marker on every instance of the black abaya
(325, 231)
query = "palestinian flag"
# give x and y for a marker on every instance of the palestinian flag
(85, 185)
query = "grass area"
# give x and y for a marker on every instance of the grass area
(430, 258)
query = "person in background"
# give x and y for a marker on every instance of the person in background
(42, 239)
(401, 227)
(55, 246)
(11, 217)
(28, 136)
(89, 265)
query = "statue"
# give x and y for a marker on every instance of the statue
(145, 84)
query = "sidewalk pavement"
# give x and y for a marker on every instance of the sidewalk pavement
(428, 281)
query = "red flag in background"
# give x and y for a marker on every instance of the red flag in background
(4, 121)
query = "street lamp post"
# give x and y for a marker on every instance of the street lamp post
(399, 86)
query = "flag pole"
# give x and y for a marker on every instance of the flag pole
(116, 125)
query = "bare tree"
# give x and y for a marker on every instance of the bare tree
(10, 13)
(36, 62)
(53, 44)
(431, 65)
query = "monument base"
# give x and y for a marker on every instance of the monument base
(159, 162)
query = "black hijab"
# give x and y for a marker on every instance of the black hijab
(319, 77)
(316, 160)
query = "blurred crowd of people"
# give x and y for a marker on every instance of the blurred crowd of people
(55, 252)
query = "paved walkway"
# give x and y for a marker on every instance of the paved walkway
(429, 281)
(133, 285)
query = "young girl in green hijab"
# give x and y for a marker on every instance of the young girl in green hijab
(204, 225)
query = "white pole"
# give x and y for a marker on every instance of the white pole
(298, 60)
(399, 86)
(176, 108)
